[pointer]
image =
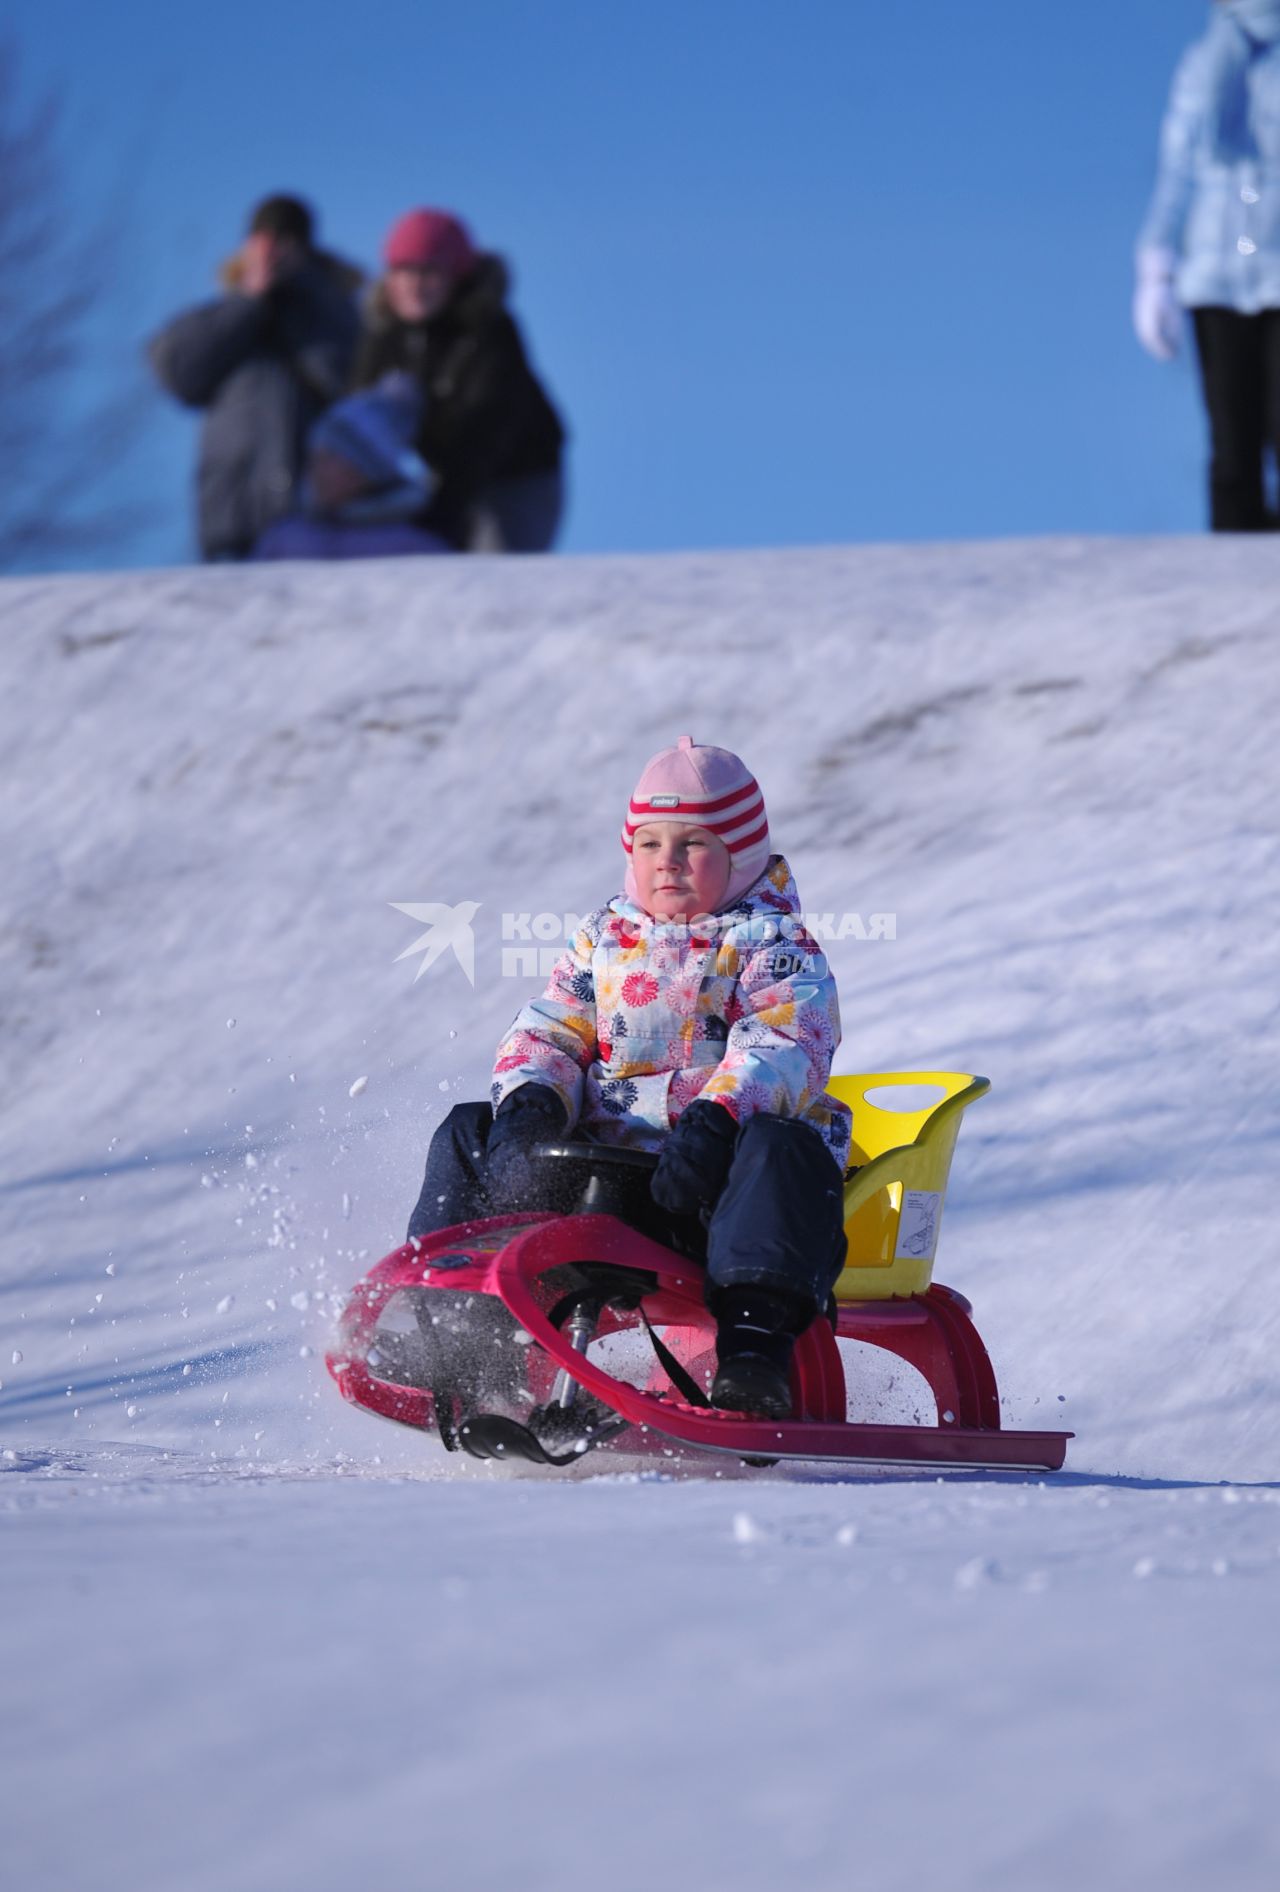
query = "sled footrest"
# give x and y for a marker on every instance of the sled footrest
(493, 1435)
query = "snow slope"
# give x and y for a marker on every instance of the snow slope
(1052, 763)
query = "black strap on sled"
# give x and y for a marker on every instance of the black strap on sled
(625, 1288)
(683, 1381)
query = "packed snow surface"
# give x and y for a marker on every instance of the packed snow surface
(259, 1640)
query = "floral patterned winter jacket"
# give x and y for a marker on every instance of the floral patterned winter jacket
(641, 1016)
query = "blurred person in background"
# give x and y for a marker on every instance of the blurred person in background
(488, 432)
(263, 361)
(363, 485)
(1211, 245)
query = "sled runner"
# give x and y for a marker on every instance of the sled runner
(542, 1337)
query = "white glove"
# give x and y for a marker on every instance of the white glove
(1157, 313)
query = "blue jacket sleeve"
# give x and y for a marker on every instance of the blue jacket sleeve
(1181, 136)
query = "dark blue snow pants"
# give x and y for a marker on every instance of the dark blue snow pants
(777, 1225)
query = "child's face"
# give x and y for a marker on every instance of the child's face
(680, 870)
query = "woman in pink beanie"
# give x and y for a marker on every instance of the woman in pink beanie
(489, 434)
(692, 1016)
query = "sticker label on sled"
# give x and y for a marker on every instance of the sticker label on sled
(918, 1225)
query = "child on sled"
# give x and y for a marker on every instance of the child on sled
(695, 1018)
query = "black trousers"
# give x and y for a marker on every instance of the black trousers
(1240, 375)
(778, 1223)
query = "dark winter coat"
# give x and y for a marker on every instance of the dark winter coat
(263, 368)
(486, 417)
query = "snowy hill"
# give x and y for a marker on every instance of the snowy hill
(1051, 763)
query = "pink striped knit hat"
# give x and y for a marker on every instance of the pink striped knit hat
(712, 789)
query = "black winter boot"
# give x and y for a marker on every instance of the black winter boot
(755, 1335)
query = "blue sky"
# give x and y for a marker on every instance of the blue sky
(845, 270)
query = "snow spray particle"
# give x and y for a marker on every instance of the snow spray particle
(361, 1084)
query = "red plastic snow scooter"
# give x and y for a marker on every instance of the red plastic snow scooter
(543, 1337)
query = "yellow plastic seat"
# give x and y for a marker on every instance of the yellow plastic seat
(893, 1204)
